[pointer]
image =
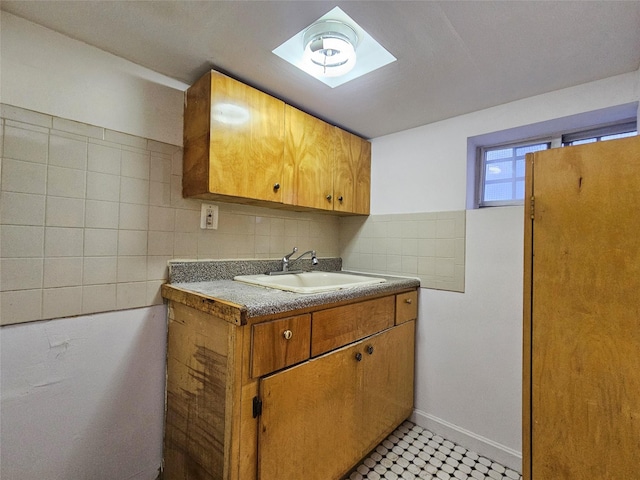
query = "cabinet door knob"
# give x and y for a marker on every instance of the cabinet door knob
(340, 199)
(329, 197)
(287, 334)
(358, 356)
(407, 300)
(370, 349)
(276, 187)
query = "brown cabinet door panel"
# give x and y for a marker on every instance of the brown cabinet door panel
(233, 140)
(387, 383)
(352, 173)
(308, 161)
(309, 418)
(585, 314)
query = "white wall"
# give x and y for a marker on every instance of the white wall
(468, 384)
(53, 74)
(83, 397)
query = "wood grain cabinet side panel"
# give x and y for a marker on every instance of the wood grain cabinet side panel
(335, 327)
(197, 405)
(279, 344)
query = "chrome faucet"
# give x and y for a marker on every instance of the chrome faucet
(286, 262)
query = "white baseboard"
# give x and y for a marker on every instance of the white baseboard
(483, 446)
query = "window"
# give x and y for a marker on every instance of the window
(503, 173)
(502, 167)
(600, 134)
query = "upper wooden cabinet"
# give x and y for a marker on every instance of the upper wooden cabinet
(352, 173)
(308, 160)
(242, 145)
(233, 141)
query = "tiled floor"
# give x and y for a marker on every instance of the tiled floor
(411, 452)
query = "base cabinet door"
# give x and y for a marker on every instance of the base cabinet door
(387, 383)
(323, 416)
(307, 427)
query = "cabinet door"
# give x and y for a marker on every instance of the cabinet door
(308, 161)
(309, 418)
(352, 173)
(234, 140)
(582, 414)
(387, 387)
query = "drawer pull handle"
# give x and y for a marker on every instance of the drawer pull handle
(329, 197)
(407, 300)
(287, 334)
(276, 187)
(358, 357)
(370, 349)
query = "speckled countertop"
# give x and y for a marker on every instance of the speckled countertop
(257, 301)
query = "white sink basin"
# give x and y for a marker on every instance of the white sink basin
(310, 282)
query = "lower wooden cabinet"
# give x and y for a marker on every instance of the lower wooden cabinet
(252, 401)
(321, 417)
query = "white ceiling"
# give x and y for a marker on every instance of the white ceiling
(454, 57)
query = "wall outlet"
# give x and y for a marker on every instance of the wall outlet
(209, 217)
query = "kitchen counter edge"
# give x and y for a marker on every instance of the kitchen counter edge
(237, 302)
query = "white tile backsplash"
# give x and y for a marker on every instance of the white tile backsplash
(65, 212)
(63, 242)
(22, 209)
(61, 302)
(114, 214)
(21, 241)
(101, 214)
(23, 177)
(66, 182)
(428, 245)
(67, 152)
(62, 272)
(25, 144)
(104, 158)
(103, 186)
(20, 273)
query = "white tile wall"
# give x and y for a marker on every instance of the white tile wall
(89, 218)
(430, 246)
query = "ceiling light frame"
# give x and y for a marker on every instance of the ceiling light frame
(330, 48)
(371, 55)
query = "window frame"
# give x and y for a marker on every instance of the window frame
(555, 140)
(481, 168)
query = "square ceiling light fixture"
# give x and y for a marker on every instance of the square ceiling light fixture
(334, 50)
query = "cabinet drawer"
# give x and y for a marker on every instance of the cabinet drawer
(279, 344)
(335, 327)
(406, 307)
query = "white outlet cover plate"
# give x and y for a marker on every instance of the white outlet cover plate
(207, 210)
